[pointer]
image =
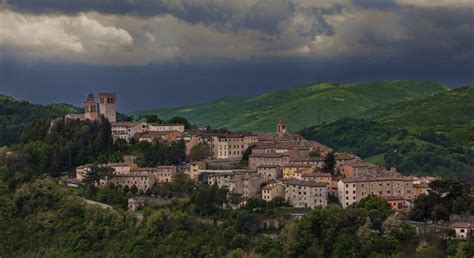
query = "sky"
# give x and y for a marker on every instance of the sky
(164, 53)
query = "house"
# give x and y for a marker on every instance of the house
(352, 190)
(357, 170)
(193, 169)
(420, 189)
(256, 160)
(316, 161)
(154, 127)
(270, 191)
(398, 203)
(119, 168)
(127, 130)
(167, 136)
(161, 174)
(246, 183)
(462, 229)
(270, 172)
(141, 181)
(343, 158)
(305, 194)
(289, 170)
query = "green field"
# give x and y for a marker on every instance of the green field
(301, 106)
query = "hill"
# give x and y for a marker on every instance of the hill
(15, 116)
(300, 106)
(433, 135)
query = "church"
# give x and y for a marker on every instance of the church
(93, 110)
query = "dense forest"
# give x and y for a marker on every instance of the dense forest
(16, 117)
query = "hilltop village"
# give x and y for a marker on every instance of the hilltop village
(278, 165)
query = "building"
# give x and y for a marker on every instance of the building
(141, 181)
(420, 189)
(193, 169)
(246, 183)
(462, 229)
(292, 149)
(161, 174)
(269, 192)
(305, 194)
(352, 190)
(282, 129)
(119, 168)
(167, 136)
(154, 127)
(289, 170)
(358, 170)
(270, 172)
(107, 106)
(93, 110)
(317, 161)
(398, 203)
(127, 130)
(343, 158)
(256, 160)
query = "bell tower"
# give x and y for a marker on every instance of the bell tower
(107, 106)
(282, 129)
(90, 108)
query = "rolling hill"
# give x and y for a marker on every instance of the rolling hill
(432, 135)
(15, 116)
(300, 106)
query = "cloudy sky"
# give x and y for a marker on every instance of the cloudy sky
(173, 52)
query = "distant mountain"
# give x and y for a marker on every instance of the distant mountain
(432, 135)
(15, 116)
(300, 106)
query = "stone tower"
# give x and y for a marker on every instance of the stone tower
(107, 106)
(282, 129)
(90, 108)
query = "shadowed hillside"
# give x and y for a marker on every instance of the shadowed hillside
(300, 106)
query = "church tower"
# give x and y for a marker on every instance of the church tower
(107, 106)
(90, 108)
(282, 129)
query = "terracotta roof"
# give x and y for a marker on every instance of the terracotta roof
(126, 124)
(152, 134)
(374, 179)
(460, 225)
(303, 183)
(298, 166)
(268, 155)
(316, 175)
(156, 124)
(344, 155)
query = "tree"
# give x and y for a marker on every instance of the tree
(153, 119)
(246, 154)
(180, 120)
(329, 163)
(315, 154)
(200, 151)
(367, 235)
(96, 173)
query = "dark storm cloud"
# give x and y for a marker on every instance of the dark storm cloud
(175, 52)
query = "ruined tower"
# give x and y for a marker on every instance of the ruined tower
(282, 129)
(107, 106)
(90, 108)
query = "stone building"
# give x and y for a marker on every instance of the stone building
(305, 194)
(107, 106)
(166, 136)
(289, 170)
(358, 170)
(318, 162)
(193, 169)
(352, 190)
(154, 127)
(256, 160)
(270, 191)
(141, 181)
(93, 110)
(270, 172)
(246, 183)
(127, 130)
(161, 174)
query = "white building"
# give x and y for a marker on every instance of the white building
(305, 194)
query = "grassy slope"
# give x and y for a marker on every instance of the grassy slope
(301, 106)
(450, 114)
(423, 135)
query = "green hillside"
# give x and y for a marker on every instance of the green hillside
(433, 135)
(15, 116)
(449, 114)
(300, 106)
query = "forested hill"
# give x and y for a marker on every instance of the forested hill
(301, 106)
(433, 135)
(15, 116)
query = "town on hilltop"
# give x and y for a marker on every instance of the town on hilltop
(300, 172)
